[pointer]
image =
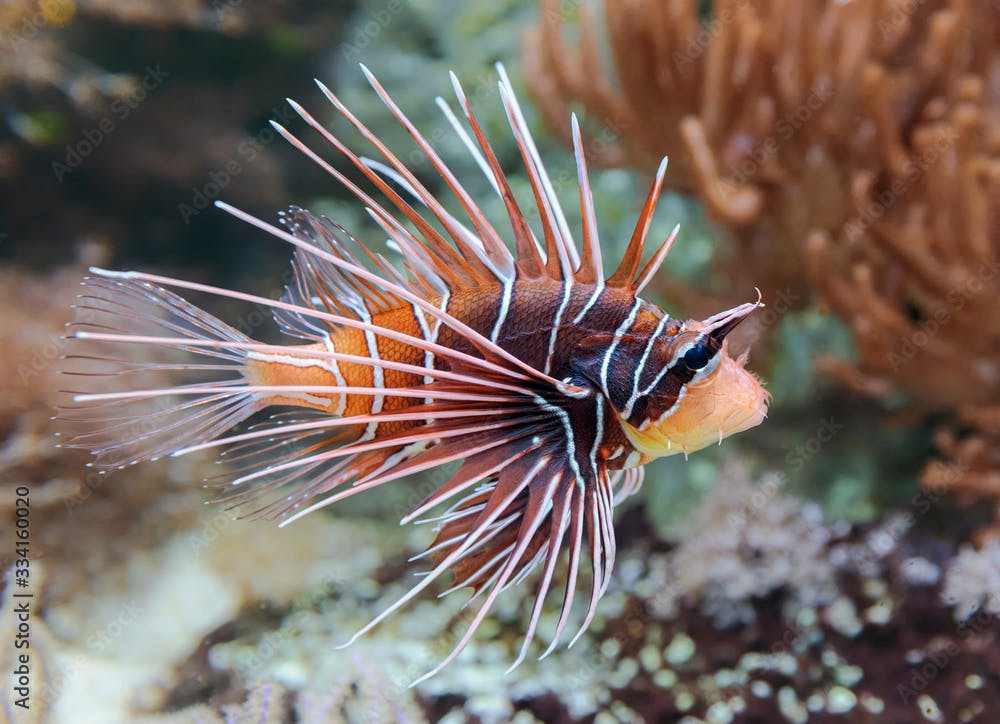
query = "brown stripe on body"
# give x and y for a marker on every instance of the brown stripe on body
(526, 332)
(530, 314)
(534, 308)
(402, 320)
(587, 324)
(477, 308)
(627, 354)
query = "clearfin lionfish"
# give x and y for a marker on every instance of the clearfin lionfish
(550, 380)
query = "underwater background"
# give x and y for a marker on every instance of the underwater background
(841, 562)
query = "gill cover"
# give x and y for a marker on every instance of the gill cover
(676, 388)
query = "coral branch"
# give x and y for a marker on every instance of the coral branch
(850, 149)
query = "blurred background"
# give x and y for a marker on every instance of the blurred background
(840, 562)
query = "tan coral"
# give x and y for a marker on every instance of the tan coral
(770, 113)
(971, 464)
(849, 148)
(916, 273)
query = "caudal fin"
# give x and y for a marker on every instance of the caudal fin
(148, 373)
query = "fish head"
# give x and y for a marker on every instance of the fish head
(702, 394)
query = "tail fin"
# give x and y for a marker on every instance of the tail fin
(148, 372)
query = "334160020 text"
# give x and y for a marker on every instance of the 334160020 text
(19, 584)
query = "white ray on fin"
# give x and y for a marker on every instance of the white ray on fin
(553, 553)
(483, 227)
(646, 275)
(523, 541)
(450, 321)
(445, 564)
(566, 237)
(591, 240)
(467, 141)
(502, 270)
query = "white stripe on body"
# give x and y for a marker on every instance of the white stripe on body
(297, 362)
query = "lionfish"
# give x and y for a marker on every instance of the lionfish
(549, 382)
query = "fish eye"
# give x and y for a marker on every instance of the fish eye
(696, 357)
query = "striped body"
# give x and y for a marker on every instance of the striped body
(562, 329)
(510, 352)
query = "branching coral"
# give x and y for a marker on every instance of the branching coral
(770, 113)
(849, 148)
(916, 272)
(971, 459)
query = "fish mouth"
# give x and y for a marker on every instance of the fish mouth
(718, 326)
(731, 402)
(750, 399)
